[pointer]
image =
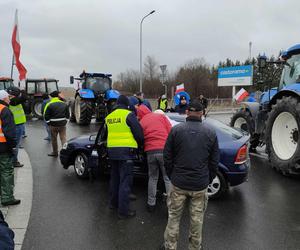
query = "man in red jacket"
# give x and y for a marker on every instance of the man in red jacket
(156, 128)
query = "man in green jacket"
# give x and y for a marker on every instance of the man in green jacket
(8, 142)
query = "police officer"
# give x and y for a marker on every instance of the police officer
(8, 141)
(191, 157)
(163, 103)
(16, 106)
(56, 115)
(124, 135)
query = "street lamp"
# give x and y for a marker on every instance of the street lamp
(141, 30)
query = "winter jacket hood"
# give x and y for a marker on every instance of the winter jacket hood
(142, 110)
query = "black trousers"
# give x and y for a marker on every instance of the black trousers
(120, 185)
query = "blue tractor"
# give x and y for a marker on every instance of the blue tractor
(274, 121)
(94, 98)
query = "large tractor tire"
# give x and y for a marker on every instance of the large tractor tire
(243, 120)
(36, 108)
(282, 135)
(72, 111)
(83, 111)
(100, 113)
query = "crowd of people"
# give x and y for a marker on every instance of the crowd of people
(186, 155)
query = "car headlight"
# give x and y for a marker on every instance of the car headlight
(65, 146)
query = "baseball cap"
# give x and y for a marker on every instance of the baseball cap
(195, 105)
(14, 91)
(54, 93)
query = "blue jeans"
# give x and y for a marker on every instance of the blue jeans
(20, 128)
(119, 190)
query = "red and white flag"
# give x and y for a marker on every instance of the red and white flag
(241, 95)
(17, 49)
(179, 88)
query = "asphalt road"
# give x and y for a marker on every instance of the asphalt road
(68, 213)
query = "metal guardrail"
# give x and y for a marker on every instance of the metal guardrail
(219, 104)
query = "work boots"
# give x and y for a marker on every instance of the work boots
(17, 164)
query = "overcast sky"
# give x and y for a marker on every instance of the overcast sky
(60, 38)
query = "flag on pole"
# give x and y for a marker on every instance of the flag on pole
(179, 88)
(17, 49)
(241, 95)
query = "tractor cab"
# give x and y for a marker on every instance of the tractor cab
(291, 71)
(97, 82)
(38, 87)
(94, 96)
(5, 82)
(35, 89)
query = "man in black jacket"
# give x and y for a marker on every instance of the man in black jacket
(204, 103)
(56, 115)
(191, 157)
(8, 142)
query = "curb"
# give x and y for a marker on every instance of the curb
(17, 217)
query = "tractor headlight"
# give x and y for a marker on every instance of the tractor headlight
(65, 146)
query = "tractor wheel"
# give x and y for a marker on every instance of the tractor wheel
(72, 111)
(83, 111)
(282, 135)
(36, 108)
(100, 113)
(244, 121)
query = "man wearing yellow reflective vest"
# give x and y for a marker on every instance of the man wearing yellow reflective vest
(56, 115)
(124, 136)
(163, 103)
(16, 107)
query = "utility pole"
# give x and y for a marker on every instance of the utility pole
(141, 50)
(163, 77)
(250, 48)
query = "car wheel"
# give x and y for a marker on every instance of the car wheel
(81, 166)
(218, 186)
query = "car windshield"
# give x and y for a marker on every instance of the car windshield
(220, 127)
(98, 84)
(291, 71)
(52, 86)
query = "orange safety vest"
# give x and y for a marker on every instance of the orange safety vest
(2, 137)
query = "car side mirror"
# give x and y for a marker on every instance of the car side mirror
(71, 79)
